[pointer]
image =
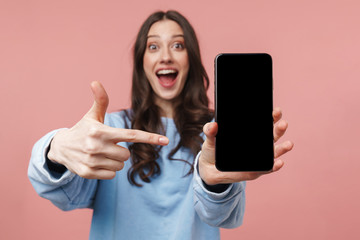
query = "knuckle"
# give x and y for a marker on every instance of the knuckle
(151, 138)
(131, 134)
(85, 172)
(90, 161)
(92, 146)
(94, 131)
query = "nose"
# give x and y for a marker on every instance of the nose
(166, 56)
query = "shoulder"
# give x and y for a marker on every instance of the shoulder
(119, 119)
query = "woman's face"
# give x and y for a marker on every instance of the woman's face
(166, 62)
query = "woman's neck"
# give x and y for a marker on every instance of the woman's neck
(166, 107)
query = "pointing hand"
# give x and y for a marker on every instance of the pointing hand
(89, 149)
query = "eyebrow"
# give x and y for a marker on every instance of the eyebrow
(174, 36)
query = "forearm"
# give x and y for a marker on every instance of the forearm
(220, 209)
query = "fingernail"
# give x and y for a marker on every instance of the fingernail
(208, 128)
(163, 140)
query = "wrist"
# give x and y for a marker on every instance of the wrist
(216, 188)
(209, 174)
(51, 154)
(53, 165)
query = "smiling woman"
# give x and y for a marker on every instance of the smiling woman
(164, 191)
(166, 44)
(166, 62)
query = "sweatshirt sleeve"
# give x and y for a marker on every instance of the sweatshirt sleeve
(65, 190)
(224, 209)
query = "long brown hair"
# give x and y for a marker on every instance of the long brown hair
(191, 106)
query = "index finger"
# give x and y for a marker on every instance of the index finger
(137, 136)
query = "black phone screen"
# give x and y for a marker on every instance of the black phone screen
(243, 111)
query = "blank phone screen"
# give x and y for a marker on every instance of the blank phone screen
(243, 111)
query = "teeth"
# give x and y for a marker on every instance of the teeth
(166, 71)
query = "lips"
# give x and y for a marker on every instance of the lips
(167, 77)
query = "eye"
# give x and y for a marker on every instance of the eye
(152, 46)
(178, 46)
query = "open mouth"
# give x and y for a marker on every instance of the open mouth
(167, 77)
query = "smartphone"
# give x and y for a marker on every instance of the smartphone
(243, 112)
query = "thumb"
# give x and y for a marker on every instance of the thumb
(101, 102)
(208, 147)
(210, 129)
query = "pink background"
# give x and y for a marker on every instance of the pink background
(51, 50)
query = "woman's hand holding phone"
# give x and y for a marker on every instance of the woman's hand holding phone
(212, 176)
(89, 149)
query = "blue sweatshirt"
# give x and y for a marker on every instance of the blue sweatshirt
(171, 207)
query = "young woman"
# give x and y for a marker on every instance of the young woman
(147, 172)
